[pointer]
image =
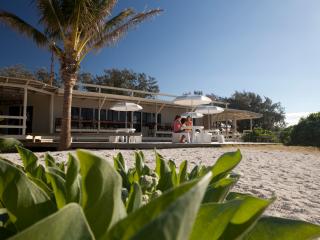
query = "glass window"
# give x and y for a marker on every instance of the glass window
(75, 112)
(103, 115)
(110, 115)
(87, 113)
(136, 117)
(115, 116)
(122, 117)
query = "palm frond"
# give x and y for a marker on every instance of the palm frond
(112, 35)
(52, 18)
(117, 20)
(94, 34)
(23, 27)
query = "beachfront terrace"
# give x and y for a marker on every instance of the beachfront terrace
(28, 106)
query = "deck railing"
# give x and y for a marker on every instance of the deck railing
(3, 117)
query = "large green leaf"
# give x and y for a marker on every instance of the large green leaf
(41, 185)
(246, 216)
(212, 219)
(29, 160)
(282, 229)
(59, 187)
(225, 164)
(119, 163)
(101, 193)
(121, 167)
(67, 223)
(194, 172)
(57, 171)
(174, 175)
(183, 172)
(139, 164)
(135, 198)
(164, 173)
(73, 188)
(26, 202)
(49, 160)
(217, 191)
(169, 216)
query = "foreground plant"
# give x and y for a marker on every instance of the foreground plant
(85, 200)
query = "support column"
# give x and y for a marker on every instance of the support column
(234, 125)
(51, 113)
(99, 115)
(131, 123)
(251, 124)
(156, 122)
(226, 123)
(141, 121)
(25, 102)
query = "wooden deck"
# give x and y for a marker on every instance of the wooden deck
(43, 146)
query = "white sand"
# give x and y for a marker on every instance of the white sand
(292, 174)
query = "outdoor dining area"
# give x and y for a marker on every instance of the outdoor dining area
(195, 134)
(199, 107)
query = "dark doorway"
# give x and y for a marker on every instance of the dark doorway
(18, 111)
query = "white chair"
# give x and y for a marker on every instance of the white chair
(135, 139)
(176, 137)
(114, 139)
(202, 137)
(220, 138)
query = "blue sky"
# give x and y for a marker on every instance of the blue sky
(270, 47)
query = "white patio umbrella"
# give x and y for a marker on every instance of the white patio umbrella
(192, 100)
(126, 107)
(192, 115)
(209, 109)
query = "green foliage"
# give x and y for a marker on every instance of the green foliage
(20, 71)
(282, 229)
(90, 199)
(25, 201)
(285, 135)
(68, 223)
(307, 131)
(260, 135)
(170, 216)
(101, 187)
(8, 145)
(122, 78)
(273, 114)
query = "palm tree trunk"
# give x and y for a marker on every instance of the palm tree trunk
(69, 77)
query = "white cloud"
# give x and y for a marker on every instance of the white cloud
(293, 118)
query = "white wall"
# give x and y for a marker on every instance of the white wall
(40, 118)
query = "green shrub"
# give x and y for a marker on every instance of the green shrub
(90, 199)
(285, 135)
(8, 145)
(307, 131)
(260, 135)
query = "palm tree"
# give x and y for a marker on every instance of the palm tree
(72, 29)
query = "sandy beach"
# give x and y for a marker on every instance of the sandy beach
(292, 174)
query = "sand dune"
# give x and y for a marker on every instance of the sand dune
(292, 174)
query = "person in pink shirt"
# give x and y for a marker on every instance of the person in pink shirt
(178, 127)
